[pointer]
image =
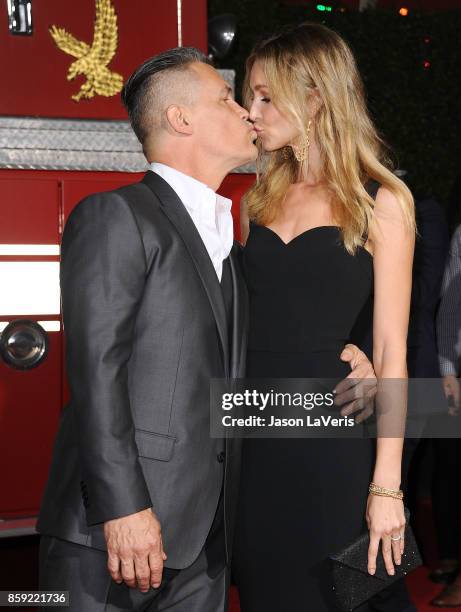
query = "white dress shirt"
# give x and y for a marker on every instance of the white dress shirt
(210, 212)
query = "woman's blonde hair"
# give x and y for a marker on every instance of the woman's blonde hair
(295, 62)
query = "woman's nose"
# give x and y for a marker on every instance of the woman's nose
(252, 113)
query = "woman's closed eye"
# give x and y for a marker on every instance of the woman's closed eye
(265, 99)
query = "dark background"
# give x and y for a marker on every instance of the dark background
(412, 71)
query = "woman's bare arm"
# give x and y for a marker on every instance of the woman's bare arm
(392, 244)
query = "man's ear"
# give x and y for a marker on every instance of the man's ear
(179, 120)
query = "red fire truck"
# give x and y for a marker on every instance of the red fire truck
(63, 135)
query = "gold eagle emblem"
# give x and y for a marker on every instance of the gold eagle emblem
(92, 61)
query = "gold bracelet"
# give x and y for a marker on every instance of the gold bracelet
(381, 491)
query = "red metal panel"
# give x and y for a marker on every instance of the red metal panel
(76, 186)
(29, 210)
(28, 190)
(195, 24)
(33, 70)
(30, 404)
(34, 186)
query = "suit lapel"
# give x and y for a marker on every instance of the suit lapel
(180, 218)
(240, 313)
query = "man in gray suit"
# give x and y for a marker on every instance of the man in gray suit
(138, 509)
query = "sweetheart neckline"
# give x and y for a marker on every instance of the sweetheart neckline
(311, 229)
(308, 231)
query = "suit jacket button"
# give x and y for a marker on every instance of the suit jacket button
(221, 456)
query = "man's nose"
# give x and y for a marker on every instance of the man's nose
(242, 112)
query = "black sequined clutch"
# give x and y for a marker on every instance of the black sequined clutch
(352, 582)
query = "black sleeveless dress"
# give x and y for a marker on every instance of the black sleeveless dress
(300, 499)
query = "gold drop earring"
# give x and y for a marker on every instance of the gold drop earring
(302, 153)
(286, 152)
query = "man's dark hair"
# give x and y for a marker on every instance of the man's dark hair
(137, 91)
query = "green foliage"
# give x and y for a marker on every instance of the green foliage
(416, 110)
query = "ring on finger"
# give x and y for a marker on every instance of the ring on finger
(396, 539)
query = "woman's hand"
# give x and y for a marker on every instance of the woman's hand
(385, 517)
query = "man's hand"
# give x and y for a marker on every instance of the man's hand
(451, 389)
(356, 392)
(135, 550)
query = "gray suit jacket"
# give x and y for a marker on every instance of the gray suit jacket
(145, 328)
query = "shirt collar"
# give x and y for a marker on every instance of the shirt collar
(199, 199)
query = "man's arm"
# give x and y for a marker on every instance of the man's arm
(449, 322)
(449, 315)
(430, 256)
(102, 281)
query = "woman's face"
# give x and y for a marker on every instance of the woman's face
(274, 130)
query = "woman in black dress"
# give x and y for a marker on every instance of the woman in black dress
(331, 234)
